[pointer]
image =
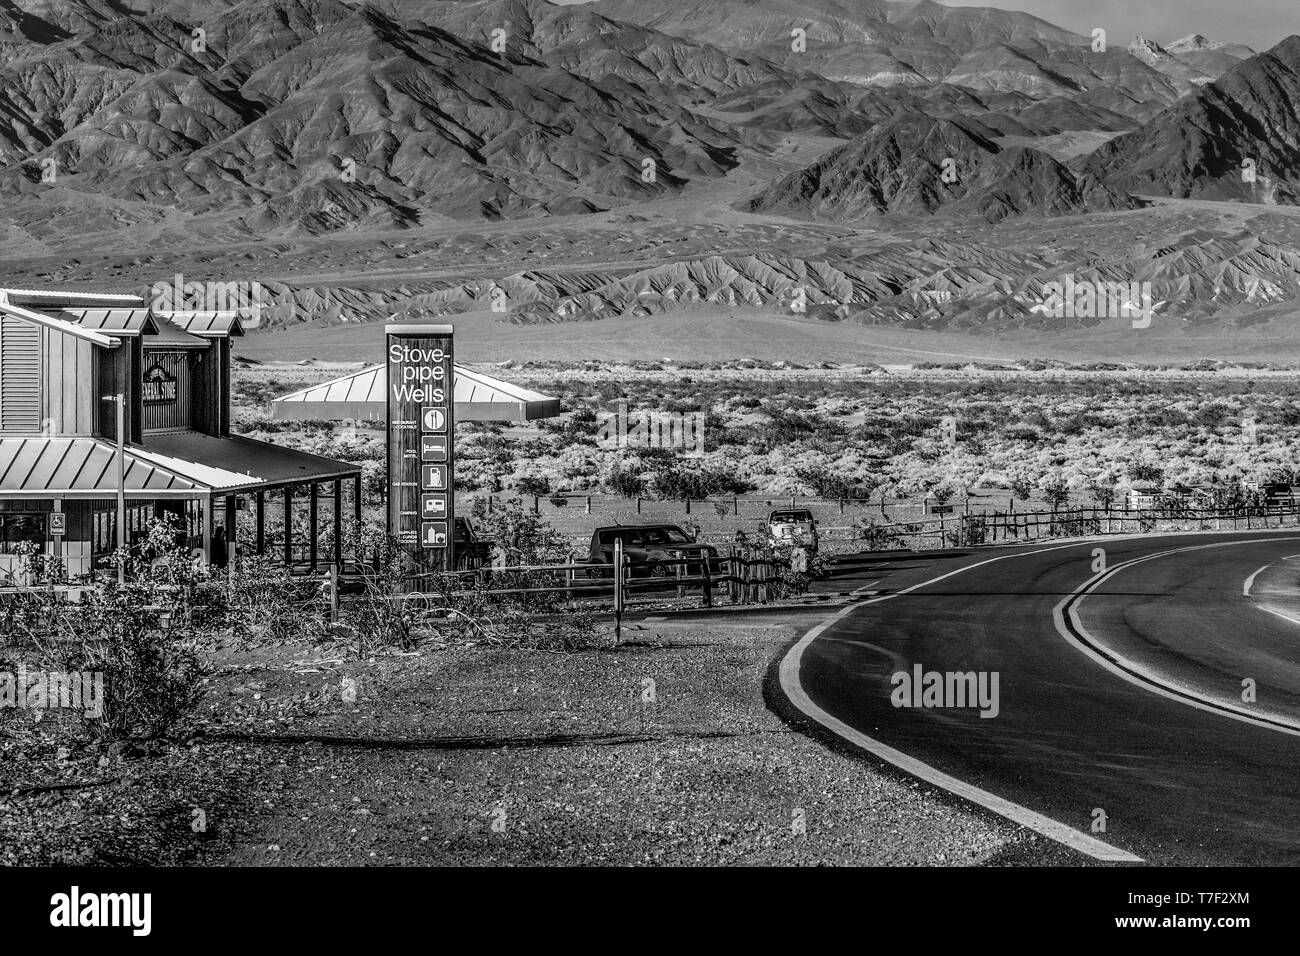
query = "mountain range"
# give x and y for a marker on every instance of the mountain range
(283, 117)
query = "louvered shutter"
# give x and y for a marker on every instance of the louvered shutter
(20, 370)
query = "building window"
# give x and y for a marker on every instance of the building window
(104, 527)
(17, 529)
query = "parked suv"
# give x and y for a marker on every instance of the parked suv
(645, 544)
(795, 525)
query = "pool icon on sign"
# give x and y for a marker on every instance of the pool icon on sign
(434, 419)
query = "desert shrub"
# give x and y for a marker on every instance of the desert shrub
(141, 636)
(1055, 491)
(625, 482)
(875, 537)
(1022, 486)
(538, 485)
(696, 482)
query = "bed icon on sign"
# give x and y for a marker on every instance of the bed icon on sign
(433, 477)
(433, 534)
(434, 419)
(433, 448)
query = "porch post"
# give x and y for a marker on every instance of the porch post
(338, 523)
(232, 519)
(206, 505)
(356, 511)
(313, 524)
(288, 526)
(260, 500)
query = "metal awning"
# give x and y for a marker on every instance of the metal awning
(179, 465)
(113, 321)
(362, 397)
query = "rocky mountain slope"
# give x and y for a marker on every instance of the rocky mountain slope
(313, 114)
(1250, 115)
(916, 164)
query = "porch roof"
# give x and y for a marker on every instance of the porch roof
(180, 465)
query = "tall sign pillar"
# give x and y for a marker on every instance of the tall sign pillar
(421, 439)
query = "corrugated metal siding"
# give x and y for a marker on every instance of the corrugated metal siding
(179, 414)
(67, 403)
(20, 376)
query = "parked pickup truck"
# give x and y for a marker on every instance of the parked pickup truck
(794, 525)
(645, 544)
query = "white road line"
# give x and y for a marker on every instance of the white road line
(1245, 588)
(1053, 829)
(1138, 675)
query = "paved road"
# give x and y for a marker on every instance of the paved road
(1126, 700)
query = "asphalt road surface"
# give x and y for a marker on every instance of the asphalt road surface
(1159, 698)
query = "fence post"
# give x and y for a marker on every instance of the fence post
(735, 506)
(841, 506)
(535, 505)
(334, 593)
(688, 505)
(708, 580)
(638, 505)
(588, 504)
(618, 590)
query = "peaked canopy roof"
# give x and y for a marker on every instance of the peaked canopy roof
(362, 396)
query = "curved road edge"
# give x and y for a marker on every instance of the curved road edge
(788, 677)
(1069, 625)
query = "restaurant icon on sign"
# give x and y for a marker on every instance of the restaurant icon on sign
(434, 419)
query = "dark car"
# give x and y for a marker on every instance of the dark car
(645, 545)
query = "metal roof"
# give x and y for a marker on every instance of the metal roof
(207, 324)
(61, 298)
(113, 321)
(170, 336)
(61, 325)
(80, 468)
(180, 465)
(363, 396)
(238, 462)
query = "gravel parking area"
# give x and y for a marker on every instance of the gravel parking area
(664, 750)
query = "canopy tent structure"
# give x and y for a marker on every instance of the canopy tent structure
(362, 396)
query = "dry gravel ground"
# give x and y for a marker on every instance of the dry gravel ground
(480, 756)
